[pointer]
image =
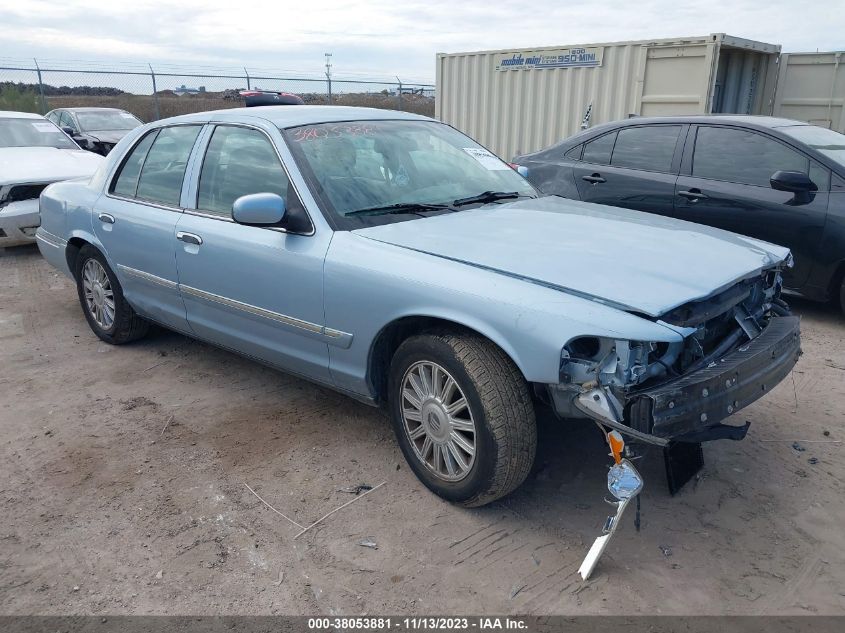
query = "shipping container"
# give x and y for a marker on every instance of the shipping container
(517, 101)
(811, 87)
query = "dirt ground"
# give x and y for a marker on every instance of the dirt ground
(123, 474)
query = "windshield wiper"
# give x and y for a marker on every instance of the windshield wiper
(402, 207)
(489, 196)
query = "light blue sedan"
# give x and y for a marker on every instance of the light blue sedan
(390, 257)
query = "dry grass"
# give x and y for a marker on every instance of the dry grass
(143, 106)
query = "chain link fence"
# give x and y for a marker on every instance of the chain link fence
(152, 93)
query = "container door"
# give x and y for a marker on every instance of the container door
(675, 79)
(811, 87)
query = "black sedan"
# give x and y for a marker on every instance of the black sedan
(774, 179)
(94, 129)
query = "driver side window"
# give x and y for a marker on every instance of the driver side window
(239, 161)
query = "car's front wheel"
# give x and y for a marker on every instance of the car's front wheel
(106, 310)
(463, 416)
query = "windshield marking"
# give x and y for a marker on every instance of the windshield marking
(334, 131)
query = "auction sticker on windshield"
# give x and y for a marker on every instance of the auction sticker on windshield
(487, 159)
(43, 126)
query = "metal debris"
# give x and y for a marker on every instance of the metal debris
(356, 490)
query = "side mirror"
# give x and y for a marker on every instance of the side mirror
(792, 181)
(68, 130)
(795, 182)
(259, 209)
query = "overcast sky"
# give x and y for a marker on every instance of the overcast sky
(383, 37)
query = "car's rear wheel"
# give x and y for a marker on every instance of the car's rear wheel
(106, 310)
(463, 416)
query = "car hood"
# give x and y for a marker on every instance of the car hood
(45, 164)
(634, 261)
(107, 136)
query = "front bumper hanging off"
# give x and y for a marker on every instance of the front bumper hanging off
(690, 408)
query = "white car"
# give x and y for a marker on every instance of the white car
(33, 154)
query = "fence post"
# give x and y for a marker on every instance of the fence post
(329, 78)
(399, 94)
(41, 106)
(246, 72)
(155, 93)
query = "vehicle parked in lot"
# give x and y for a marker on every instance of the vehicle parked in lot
(254, 98)
(390, 257)
(775, 179)
(33, 154)
(95, 129)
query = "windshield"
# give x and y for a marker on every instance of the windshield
(828, 142)
(106, 120)
(32, 133)
(371, 165)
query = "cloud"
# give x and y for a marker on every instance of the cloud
(380, 37)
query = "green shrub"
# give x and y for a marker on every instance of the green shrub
(20, 100)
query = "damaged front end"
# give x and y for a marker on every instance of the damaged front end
(736, 346)
(19, 216)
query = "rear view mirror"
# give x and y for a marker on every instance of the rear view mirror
(259, 209)
(796, 182)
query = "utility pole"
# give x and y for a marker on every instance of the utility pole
(329, 78)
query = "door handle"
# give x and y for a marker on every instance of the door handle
(594, 179)
(693, 195)
(108, 218)
(188, 238)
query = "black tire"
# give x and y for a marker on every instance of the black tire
(127, 326)
(500, 404)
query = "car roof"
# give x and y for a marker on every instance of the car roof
(295, 115)
(87, 109)
(749, 120)
(745, 120)
(8, 114)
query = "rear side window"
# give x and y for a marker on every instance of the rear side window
(126, 183)
(574, 153)
(743, 156)
(646, 147)
(239, 161)
(598, 150)
(164, 168)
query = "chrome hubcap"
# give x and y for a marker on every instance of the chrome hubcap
(438, 421)
(99, 297)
